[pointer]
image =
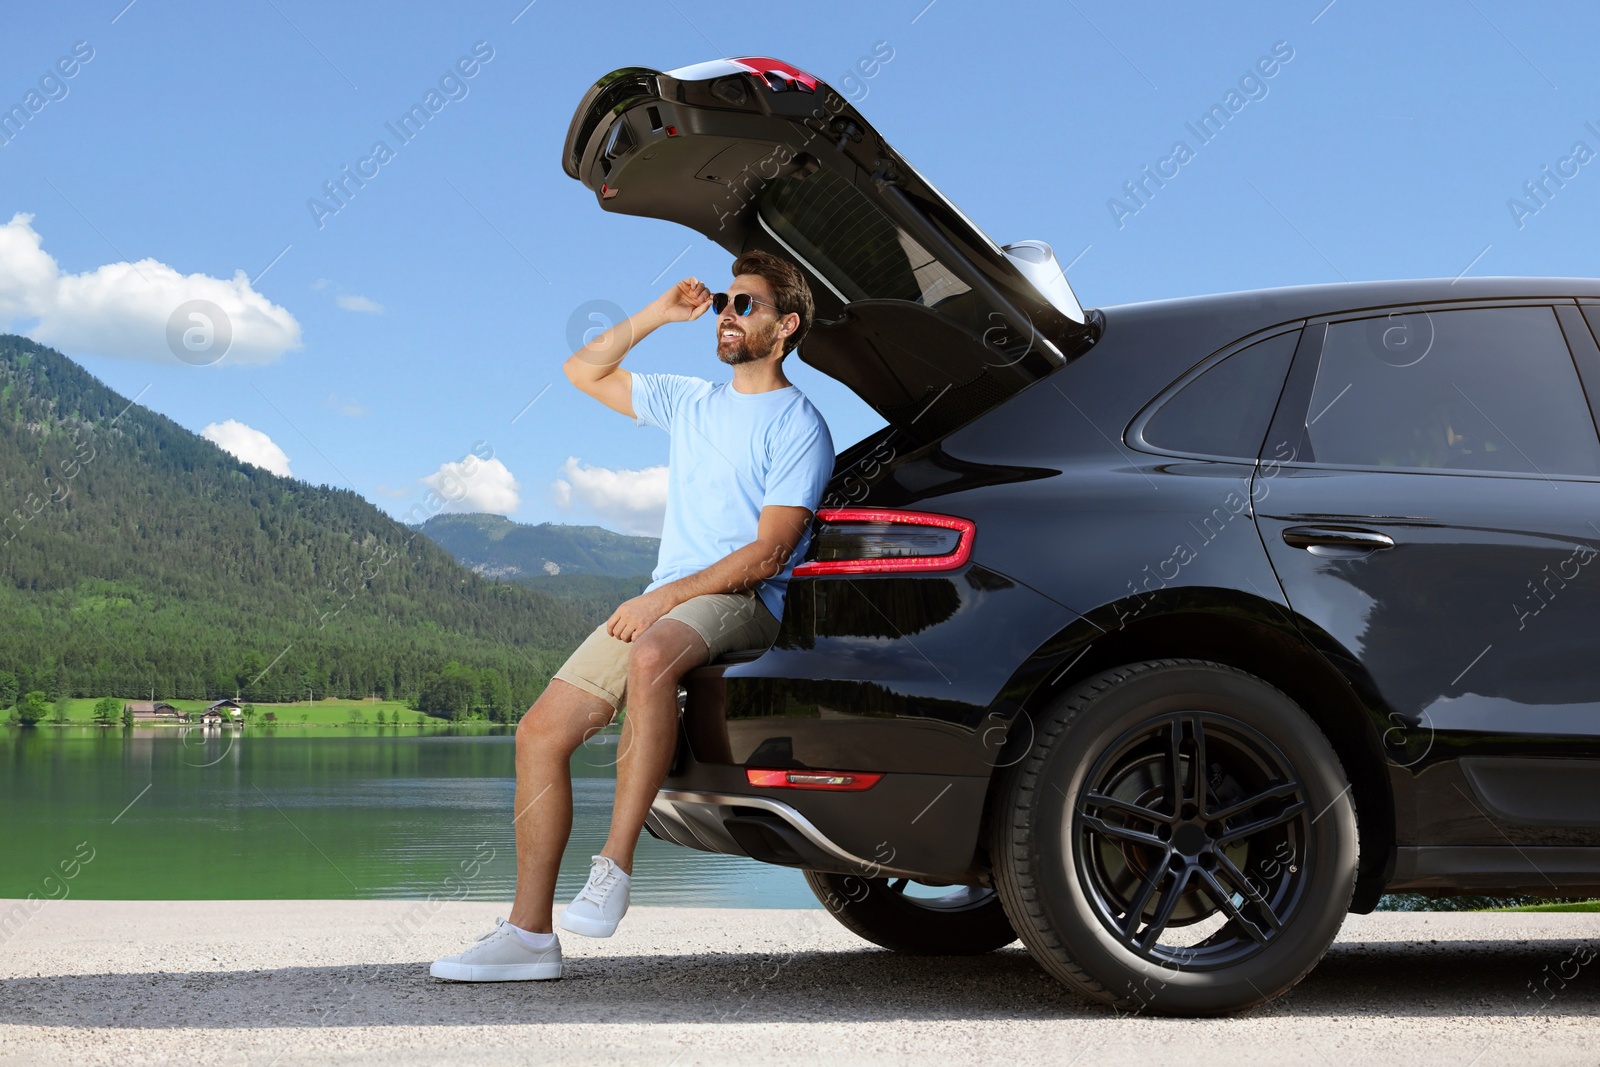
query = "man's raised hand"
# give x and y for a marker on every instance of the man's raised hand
(684, 302)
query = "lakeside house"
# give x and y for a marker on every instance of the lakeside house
(221, 711)
(152, 711)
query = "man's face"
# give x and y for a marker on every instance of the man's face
(744, 338)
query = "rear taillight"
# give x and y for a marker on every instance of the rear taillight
(887, 541)
(840, 781)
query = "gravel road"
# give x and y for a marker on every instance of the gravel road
(291, 982)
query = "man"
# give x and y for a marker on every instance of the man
(748, 462)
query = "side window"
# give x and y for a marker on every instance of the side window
(1490, 389)
(1225, 411)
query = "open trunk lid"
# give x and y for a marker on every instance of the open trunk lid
(918, 310)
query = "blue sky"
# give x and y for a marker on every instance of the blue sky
(415, 325)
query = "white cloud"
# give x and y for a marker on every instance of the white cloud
(121, 309)
(248, 444)
(635, 501)
(352, 302)
(476, 485)
(352, 409)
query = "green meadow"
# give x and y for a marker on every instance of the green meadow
(332, 712)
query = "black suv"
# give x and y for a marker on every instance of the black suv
(1161, 635)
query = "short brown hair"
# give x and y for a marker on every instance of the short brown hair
(790, 292)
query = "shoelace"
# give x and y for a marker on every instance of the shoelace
(597, 890)
(499, 923)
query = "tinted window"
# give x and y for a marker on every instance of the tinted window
(1225, 411)
(852, 243)
(1478, 389)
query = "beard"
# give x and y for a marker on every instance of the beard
(745, 348)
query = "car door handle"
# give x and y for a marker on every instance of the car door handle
(1336, 542)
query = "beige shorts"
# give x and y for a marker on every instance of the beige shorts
(726, 622)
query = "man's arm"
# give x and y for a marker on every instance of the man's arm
(596, 368)
(778, 530)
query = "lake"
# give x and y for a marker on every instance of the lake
(167, 812)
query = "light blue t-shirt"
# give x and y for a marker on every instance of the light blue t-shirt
(731, 454)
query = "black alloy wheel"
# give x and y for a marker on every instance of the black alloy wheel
(1165, 829)
(908, 917)
(1179, 839)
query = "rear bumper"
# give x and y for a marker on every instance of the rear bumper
(758, 827)
(907, 825)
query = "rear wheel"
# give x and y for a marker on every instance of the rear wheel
(909, 917)
(1180, 839)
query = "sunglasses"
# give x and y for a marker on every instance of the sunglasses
(743, 303)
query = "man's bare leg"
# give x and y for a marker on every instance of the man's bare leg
(661, 655)
(547, 736)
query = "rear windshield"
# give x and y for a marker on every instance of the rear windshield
(849, 241)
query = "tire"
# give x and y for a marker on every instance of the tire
(1206, 906)
(966, 921)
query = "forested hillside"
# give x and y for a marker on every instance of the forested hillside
(138, 558)
(496, 547)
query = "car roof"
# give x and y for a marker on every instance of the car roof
(1154, 341)
(1266, 307)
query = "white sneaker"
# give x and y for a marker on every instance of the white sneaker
(601, 903)
(500, 956)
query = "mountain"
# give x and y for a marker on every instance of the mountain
(137, 557)
(496, 547)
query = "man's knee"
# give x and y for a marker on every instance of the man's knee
(548, 728)
(534, 736)
(662, 656)
(649, 663)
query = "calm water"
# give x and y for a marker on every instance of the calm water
(308, 812)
